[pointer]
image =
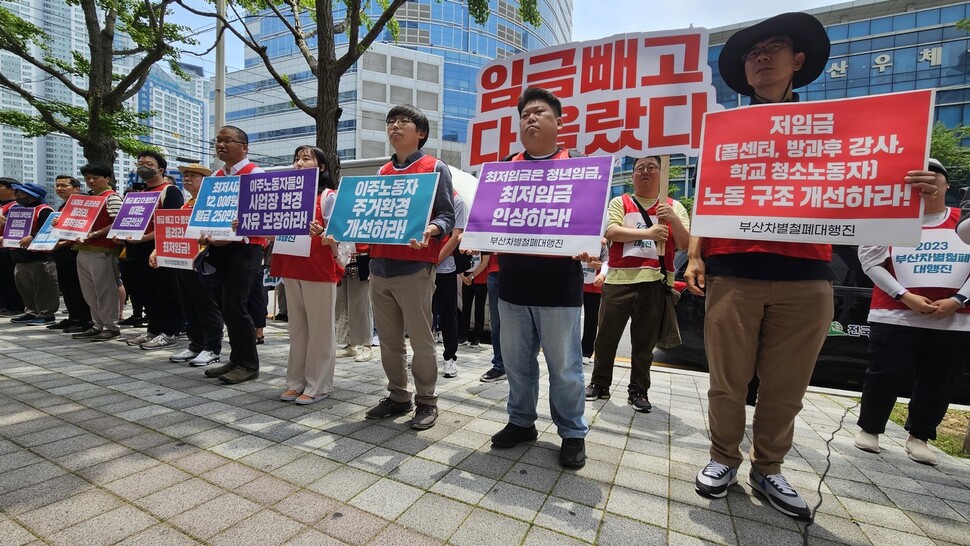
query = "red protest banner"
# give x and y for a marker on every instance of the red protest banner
(815, 172)
(621, 95)
(78, 216)
(172, 248)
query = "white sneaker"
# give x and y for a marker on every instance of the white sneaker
(586, 361)
(145, 337)
(714, 479)
(375, 341)
(184, 355)
(451, 368)
(364, 355)
(867, 442)
(204, 359)
(781, 495)
(159, 342)
(437, 337)
(920, 452)
(348, 351)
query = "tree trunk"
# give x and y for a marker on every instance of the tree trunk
(966, 440)
(100, 147)
(328, 114)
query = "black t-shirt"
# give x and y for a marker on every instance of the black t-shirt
(543, 281)
(21, 255)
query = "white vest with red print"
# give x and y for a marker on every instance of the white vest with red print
(403, 252)
(640, 254)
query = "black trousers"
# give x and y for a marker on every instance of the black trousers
(65, 260)
(238, 264)
(9, 296)
(258, 299)
(159, 290)
(444, 305)
(929, 360)
(134, 286)
(203, 317)
(591, 313)
(473, 297)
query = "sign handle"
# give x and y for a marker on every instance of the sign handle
(663, 191)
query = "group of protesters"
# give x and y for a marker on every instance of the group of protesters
(768, 304)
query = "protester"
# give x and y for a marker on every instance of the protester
(160, 287)
(355, 318)
(540, 299)
(10, 301)
(97, 259)
(200, 304)
(238, 264)
(769, 304)
(311, 295)
(402, 279)
(497, 371)
(634, 290)
(919, 331)
(473, 297)
(34, 271)
(445, 298)
(65, 260)
(594, 274)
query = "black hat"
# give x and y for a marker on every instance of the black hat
(807, 34)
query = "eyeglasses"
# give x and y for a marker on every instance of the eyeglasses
(146, 164)
(768, 49)
(227, 141)
(649, 167)
(403, 120)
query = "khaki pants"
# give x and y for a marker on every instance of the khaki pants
(97, 273)
(310, 307)
(355, 323)
(774, 329)
(404, 304)
(37, 283)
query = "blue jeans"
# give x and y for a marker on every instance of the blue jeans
(496, 322)
(557, 330)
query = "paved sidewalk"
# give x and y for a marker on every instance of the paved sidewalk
(104, 443)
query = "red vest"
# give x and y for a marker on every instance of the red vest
(403, 252)
(589, 286)
(247, 169)
(102, 221)
(319, 266)
(882, 300)
(715, 246)
(619, 261)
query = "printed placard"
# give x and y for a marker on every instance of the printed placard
(815, 172)
(78, 216)
(20, 222)
(940, 260)
(135, 215)
(550, 207)
(277, 203)
(172, 248)
(45, 240)
(215, 209)
(388, 209)
(293, 245)
(623, 95)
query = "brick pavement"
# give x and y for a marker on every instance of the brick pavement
(105, 444)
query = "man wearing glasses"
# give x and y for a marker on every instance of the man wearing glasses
(634, 287)
(402, 279)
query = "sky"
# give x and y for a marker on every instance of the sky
(590, 20)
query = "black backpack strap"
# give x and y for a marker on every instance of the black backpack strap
(649, 223)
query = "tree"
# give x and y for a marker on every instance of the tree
(946, 146)
(322, 58)
(104, 123)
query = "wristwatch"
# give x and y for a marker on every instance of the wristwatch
(899, 295)
(960, 298)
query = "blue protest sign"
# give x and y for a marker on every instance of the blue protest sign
(44, 240)
(215, 209)
(388, 209)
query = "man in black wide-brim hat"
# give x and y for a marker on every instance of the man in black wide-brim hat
(769, 303)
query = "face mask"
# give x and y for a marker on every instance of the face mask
(147, 173)
(25, 201)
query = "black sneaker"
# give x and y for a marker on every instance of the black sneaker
(595, 392)
(714, 479)
(60, 325)
(493, 375)
(78, 327)
(572, 454)
(89, 333)
(781, 495)
(640, 402)
(24, 318)
(387, 407)
(132, 321)
(424, 417)
(513, 435)
(221, 370)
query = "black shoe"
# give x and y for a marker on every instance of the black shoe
(238, 375)
(424, 417)
(282, 317)
(24, 318)
(132, 321)
(87, 334)
(106, 335)
(78, 327)
(572, 454)
(492, 376)
(221, 370)
(595, 392)
(60, 325)
(513, 435)
(640, 402)
(387, 407)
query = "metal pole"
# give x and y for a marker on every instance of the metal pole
(220, 77)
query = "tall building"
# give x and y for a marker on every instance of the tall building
(180, 107)
(430, 28)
